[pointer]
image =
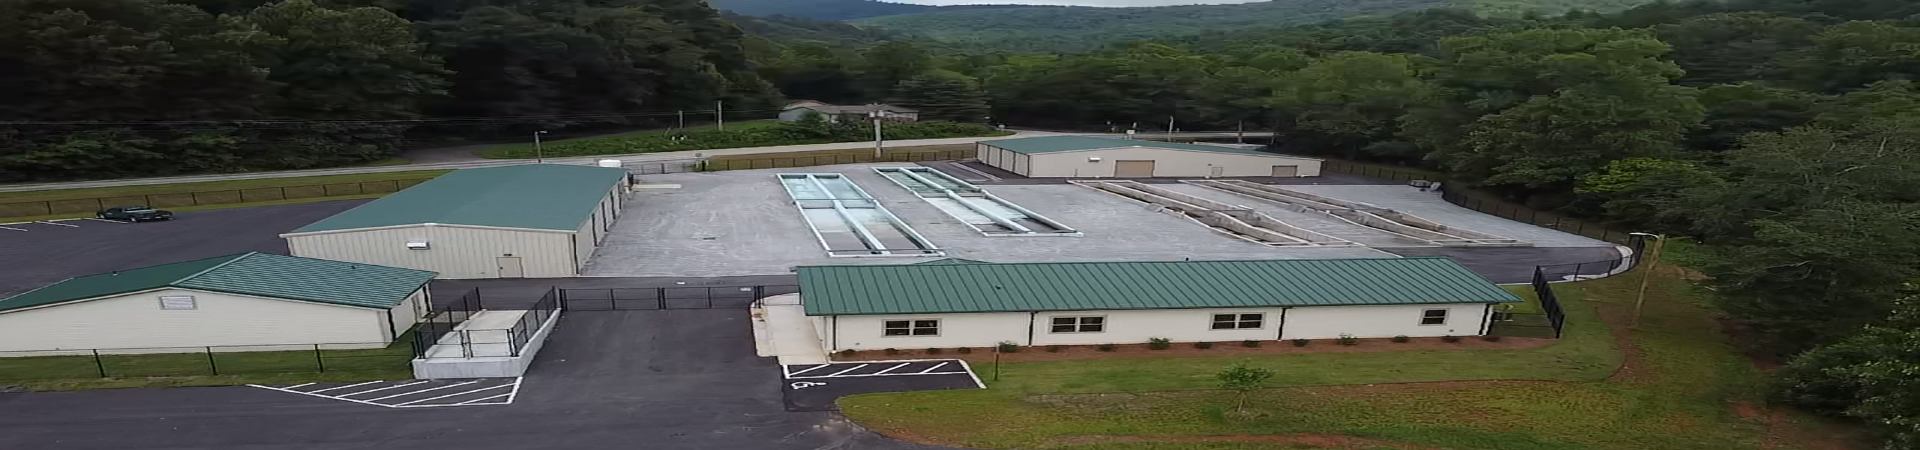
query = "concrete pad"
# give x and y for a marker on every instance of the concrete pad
(789, 333)
(742, 223)
(1321, 223)
(1428, 205)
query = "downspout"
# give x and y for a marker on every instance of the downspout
(392, 331)
(573, 245)
(836, 333)
(1281, 333)
(1032, 317)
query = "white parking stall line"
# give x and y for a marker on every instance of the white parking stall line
(116, 222)
(516, 390)
(969, 369)
(397, 386)
(60, 224)
(809, 369)
(937, 366)
(335, 388)
(843, 371)
(12, 228)
(485, 399)
(364, 402)
(297, 386)
(890, 369)
(403, 394)
(397, 405)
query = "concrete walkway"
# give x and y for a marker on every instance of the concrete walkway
(782, 330)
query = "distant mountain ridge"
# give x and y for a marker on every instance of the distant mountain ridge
(842, 9)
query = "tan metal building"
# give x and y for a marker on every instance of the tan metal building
(530, 221)
(1097, 157)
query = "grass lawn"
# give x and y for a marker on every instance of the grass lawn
(65, 203)
(1677, 390)
(525, 149)
(221, 367)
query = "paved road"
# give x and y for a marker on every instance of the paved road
(459, 163)
(465, 157)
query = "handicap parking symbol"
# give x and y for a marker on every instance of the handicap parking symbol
(798, 385)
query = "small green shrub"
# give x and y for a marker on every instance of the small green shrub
(1105, 347)
(933, 351)
(1402, 339)
(964, 350)
(1348, 339)
(1203, 345)
(1450, 338)
(1009, 347)
(1250, 343)
(1055, 348)
(1159, 343)
(1301, 342)
(892, 351)
(1491, 338)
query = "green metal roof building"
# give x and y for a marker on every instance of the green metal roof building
(535, 220)
(242, 299)
(982, 304)
(1102, 157)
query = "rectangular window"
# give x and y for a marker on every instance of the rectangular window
(181, 302)
(1080, 324)
(1433, 317)
(1238, 321)
(920, 327)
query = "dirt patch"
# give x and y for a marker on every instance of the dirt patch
(1186, 349)
(1332, 441)
(1633, 367)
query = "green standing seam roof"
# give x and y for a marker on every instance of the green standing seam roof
(533, 196)
(1023, 287)
(257, 274)
(1050, 144)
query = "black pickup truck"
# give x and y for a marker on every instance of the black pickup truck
(134, 214)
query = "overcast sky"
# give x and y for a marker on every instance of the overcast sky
(1076, 2)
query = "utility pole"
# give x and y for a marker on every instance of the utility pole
(1240, 134)
(1646, 276)
(875, 114)
(538, 157)
(683, 120)
(719, 114)
(1169, 128)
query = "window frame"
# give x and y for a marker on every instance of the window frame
(1239, 321)
(1444, 315)
(912, 325)
(1079, 324)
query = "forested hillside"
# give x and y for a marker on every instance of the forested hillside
(1083, 29)
(837, 9)
(1783, 135)
(791, 29)
(110, 88)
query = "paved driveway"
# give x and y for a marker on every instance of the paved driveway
(34, 255)
(656, 380)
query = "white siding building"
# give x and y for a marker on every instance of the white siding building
(1096, 157)
(530, 221)
(958, 304)
(257, 300)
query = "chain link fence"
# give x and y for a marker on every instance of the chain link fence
(214, 360)
(1483, 201)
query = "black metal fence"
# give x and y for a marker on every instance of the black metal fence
(1483, 201)
(1549, 303)
(1552, 318)
(445, 318)
(191, 361)
(529, 324)
(664, 298)
(198, 198)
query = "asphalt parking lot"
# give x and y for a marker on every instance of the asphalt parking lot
(40, 253)
(815, 387)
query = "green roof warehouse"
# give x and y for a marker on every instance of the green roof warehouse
(1099, 157)
(971, 304)
(536, 221)
(249, 299)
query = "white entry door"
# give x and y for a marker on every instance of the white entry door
(510, 267)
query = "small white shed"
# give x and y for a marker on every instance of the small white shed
(250, 299)
(527, 221)
(967, 304)
(1098, 157)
